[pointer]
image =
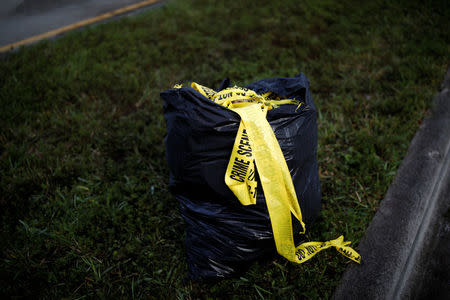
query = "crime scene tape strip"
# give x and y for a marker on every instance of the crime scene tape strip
(257, 144)
(73, 26)
(241, 169)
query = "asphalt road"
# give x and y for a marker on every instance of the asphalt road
(22, 19)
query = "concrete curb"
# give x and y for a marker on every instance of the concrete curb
(401, 239)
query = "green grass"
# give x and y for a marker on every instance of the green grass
(84, 204)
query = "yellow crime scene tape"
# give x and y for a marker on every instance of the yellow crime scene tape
(256, 143)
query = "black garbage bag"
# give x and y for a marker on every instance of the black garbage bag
(222, 235)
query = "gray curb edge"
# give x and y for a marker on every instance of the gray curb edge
(400, 236)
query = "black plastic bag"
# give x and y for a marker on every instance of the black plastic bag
(223, 236)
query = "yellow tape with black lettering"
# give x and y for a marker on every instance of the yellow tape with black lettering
(240, 174)
(256, 143)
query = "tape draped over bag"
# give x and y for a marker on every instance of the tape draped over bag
(243, 167)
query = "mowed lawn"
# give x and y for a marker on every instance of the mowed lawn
(84, 203)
